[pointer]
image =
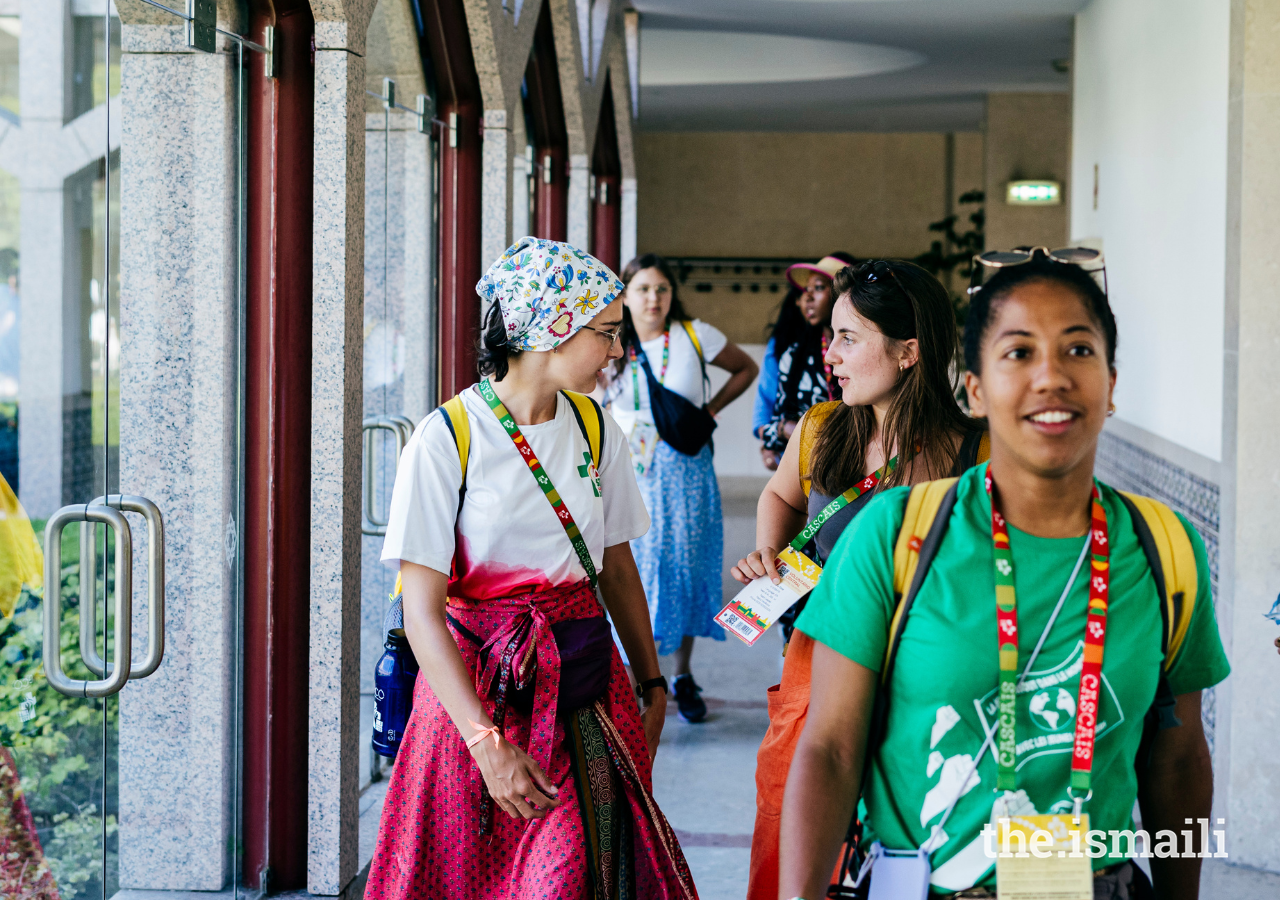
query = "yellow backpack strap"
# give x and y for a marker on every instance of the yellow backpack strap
(455, 416)
(918, 541)
(590, 420)
(693, 337)
(810, 428)
(1173, 564)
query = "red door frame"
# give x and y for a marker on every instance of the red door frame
(277, 490)
(460, 111)
(544, 109)
(606, 203)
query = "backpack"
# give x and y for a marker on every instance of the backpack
(1173, 566)
(585, 410)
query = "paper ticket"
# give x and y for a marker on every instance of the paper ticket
(760, 603)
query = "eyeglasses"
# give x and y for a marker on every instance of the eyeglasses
(611, 335)
(1003, 259)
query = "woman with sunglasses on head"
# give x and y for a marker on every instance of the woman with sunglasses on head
(1102, 708)
(897, 422)
(795, 375)
(660, 394)
(524, 771)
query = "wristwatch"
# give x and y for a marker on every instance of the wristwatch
(645, 686)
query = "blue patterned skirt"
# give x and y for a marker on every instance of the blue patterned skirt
(682, 555)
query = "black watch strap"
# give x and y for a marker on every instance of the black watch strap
(645, 686)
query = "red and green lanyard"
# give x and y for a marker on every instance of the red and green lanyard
(867, 484)
(543, 479)
(635, 378)
(1095, 634)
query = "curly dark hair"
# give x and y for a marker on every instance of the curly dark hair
(493, 353)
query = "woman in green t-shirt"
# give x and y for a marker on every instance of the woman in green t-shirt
(1040, 350)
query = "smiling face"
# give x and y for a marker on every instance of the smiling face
(1045, 384)
(868, 364)
(575, 363)
(815, 303)
(648, 297)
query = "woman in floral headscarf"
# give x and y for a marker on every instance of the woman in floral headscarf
(524, 771)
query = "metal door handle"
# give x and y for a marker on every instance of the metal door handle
(74, 687)
(155, 587)
(372, 525)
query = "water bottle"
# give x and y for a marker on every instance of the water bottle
(393, 679)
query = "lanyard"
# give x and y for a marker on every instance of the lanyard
(635, 378)
(867, 484)
(1095, 633)
(543, 479)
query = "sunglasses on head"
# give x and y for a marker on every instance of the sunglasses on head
(1003, 259)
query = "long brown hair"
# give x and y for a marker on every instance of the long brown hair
(904, 301)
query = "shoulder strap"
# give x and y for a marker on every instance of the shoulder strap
(984, 448)
(923, 526)
(693, 337)
(809, 430)
(590, 420)
(1173, 565)
(455, 416)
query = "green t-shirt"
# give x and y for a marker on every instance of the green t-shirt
(947, 665)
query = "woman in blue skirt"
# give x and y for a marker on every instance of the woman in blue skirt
(660, 394)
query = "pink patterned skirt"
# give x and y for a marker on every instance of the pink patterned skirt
(607, 839)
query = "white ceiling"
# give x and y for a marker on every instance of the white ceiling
(863, 65)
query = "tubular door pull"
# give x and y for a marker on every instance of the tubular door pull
(155, 587)
(372, 525)
(74, 687)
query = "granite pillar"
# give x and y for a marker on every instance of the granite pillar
(628, 221)
(495, 216)
(336, 415)
(579, 200)
(1247, 776)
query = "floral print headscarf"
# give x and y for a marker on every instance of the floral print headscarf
(546, 291)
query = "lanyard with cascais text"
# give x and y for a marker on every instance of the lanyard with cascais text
(635, 378)
(1095, 634)
(867, 484)
(543, 479)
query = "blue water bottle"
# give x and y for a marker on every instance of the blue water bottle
(393, 679)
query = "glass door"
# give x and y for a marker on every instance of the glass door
(107, 342)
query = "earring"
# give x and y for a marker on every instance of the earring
(1111, 409)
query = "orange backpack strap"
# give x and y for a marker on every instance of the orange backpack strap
(810, 428)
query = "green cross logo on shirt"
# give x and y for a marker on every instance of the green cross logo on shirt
(588, 471)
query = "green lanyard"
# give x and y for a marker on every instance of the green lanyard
(867, 484)
(635, 378)
(543, 479)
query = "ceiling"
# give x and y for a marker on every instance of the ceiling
(843, 65)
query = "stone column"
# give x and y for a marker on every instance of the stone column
(336, 416)
(495, 213)
(629, 251)
(178, 386)
(579, 200)
(1248, 704)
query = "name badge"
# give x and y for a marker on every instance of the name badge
(1043, 858)
(760, 603)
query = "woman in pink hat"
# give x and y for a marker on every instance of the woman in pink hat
(794, 376)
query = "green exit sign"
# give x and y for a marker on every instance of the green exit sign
(1033, 193)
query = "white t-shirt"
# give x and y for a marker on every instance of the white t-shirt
(508, 539)
(684, 373)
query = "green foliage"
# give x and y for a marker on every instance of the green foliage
(57, 741)
(953, 254)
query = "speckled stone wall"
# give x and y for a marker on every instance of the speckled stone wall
(179, 333)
